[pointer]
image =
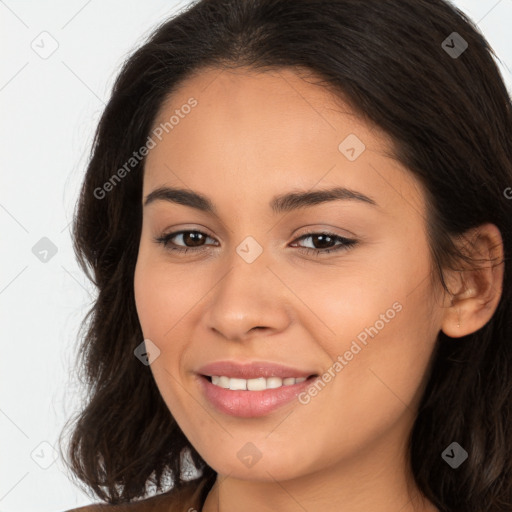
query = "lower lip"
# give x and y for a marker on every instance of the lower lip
(251, 404)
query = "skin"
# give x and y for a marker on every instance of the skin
(252, 136)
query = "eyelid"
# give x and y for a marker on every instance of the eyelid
(197, 228)
(315, 229)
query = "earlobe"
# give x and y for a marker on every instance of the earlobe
(479, 286)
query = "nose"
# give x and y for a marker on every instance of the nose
(249, 299)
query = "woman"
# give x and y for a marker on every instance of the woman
(297, 218)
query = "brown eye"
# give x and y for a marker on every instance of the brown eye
(323, 242)
(192, 240)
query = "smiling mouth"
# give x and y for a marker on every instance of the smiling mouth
(256, 384)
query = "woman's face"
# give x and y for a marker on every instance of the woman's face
(363, 317)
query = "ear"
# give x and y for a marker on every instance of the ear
(476, 289)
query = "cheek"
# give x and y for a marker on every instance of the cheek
(385, 356)
(146, 300)
(155, 300)
(381, 324)
(159, 309)
(166, 301)
(159, 293)
(341, 304)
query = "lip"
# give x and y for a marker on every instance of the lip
(252, 370)
(251, 404)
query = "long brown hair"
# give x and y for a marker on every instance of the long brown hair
(450, 118)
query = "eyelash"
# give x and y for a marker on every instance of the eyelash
(346, 242)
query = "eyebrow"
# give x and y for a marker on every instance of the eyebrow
(279, 204)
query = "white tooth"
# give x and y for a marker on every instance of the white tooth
(237, 384)
(257, 384)
(274, 382)
(223, 382)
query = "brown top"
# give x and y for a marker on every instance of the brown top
(187, 499)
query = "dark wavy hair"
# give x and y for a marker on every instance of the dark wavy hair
(450, 120)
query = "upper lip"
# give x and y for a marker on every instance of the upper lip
(252, 370)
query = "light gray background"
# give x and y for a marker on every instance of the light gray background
(50, 107)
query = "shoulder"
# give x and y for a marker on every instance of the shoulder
(171, 501)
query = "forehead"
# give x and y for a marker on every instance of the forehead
(286, 102)
(256, 130)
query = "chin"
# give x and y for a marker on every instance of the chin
(267, 468)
